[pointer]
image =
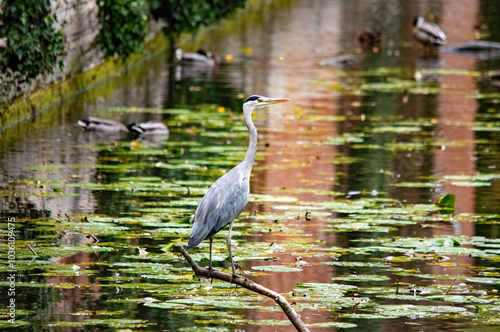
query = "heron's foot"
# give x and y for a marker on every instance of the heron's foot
(234, 276)
(210, 270)
(209, 275)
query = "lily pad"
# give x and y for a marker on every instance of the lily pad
(447, 201)
(276, 268)
(362, 278)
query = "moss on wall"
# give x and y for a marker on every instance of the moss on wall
(42, 99)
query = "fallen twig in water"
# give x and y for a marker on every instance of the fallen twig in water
(451, 286)
(32, 250)
(93, 236)
(248, 284)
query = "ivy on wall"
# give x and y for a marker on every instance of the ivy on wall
(124, 26)
(124, 23)
(32, 46)
(187, 16)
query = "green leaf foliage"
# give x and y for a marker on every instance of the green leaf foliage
(188, 16)
(447, 201)
(124, 26)
(33, 46)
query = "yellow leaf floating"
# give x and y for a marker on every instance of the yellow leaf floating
(246, 50)
(135, 145)
(192, 131)
(229, 57)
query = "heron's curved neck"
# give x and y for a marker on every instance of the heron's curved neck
(247, 163)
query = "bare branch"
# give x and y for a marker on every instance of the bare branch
(248, 284)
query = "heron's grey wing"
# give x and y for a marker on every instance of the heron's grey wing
(222, 203)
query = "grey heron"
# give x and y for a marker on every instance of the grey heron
(429, 34)
(104, 125)
(228, 196)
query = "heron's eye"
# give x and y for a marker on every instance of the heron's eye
(260, 100)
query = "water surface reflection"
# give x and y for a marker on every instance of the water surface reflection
(334, 141)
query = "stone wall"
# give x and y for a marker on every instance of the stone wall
(78, 21)
(79, 24)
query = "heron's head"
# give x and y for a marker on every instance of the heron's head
(258, 101)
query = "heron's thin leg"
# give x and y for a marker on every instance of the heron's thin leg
(229, 247)
(210, 267)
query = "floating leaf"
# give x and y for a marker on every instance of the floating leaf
(396, 129)
(333, 324)
(447, 201)
(362, 278)
(276, 268)
(471, 184)
(116, 323)
(417, 184)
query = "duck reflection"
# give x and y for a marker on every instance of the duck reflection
(199, 65)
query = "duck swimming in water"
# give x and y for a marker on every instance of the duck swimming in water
(428, 34)
(104, 125)
(149, 128)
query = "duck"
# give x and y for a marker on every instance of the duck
(428, 34)
(149, 128)
(201, 57)
(104, 125)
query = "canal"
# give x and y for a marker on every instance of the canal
(342, 218)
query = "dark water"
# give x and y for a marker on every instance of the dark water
(345, 174)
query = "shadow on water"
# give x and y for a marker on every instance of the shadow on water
(341, 219)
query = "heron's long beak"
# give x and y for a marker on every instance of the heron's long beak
(270, 101)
